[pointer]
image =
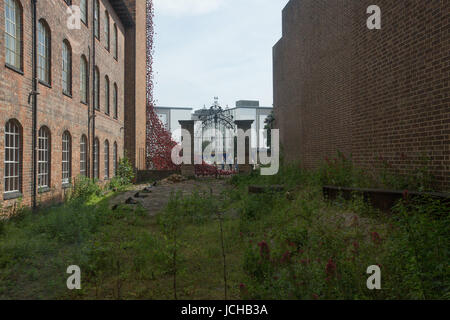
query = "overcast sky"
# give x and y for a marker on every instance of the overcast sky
(207, 48)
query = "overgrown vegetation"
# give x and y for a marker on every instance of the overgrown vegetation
(342, 172)
(295, 245)
(36, 248)
(306, 248)
(235, 245)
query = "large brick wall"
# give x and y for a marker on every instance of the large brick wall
(57, 111)
(369, 93)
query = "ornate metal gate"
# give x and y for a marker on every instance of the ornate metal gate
(217, 120)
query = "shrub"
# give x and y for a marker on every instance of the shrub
(125, 171)
(84, 188)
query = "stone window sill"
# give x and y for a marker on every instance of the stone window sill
(66, 185)
(12, 195)
(14, 69)
(43, 190)
(45, 84)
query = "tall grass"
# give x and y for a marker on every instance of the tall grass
(109, 246)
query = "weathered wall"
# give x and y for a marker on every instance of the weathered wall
(372, 93)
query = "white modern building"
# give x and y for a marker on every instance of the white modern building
(244, 110)
(170, 117)
(251, 110)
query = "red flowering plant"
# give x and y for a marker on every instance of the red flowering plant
(159, 142)
(339, 172)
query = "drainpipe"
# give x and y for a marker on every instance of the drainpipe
(92, 116)
(34, 94)
(88, 147)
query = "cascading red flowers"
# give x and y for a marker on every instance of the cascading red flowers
(159, 140)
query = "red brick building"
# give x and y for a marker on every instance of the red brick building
(67, 97)
(369, 93)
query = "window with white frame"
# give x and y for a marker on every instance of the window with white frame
(115, 43)
(13, 33)
(83, 156)
(67, 68)
(107, 106)
(96, 19)
(83, 10)
(13, 157)
(84, 79)
(115, 159)
(115, 102)
(44, 158)
(66, 157)
(43, 52)
(106, 31)
(96, 158)
(106, 155)
(97, 89)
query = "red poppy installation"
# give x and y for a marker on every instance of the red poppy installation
(159, 140)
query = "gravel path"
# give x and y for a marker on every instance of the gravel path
(159, 197)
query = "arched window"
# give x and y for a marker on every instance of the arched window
(13, 157)
(106, 30)
(97, 89)
(96, 158)
(115, 42)
(83, 11)
(44, 52)
(106, 159)
(83, 156)
(13, 33)
(107, 107)
(66, 157)
(84, 85)
(67, 68)
(115, 158)
(96, 19)
(44, 157)
(115, 102)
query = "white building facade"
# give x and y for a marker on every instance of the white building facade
(170, 117)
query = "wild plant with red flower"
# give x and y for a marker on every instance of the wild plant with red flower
(330, 268)
(286, 257)
(264, 250)
(376, 238)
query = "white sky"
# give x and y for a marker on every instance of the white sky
(207, 48)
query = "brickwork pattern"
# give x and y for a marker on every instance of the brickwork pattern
(370, 93)
(57, 111)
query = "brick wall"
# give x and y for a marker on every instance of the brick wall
(57, 111)
(369, 93)
(135, 86)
